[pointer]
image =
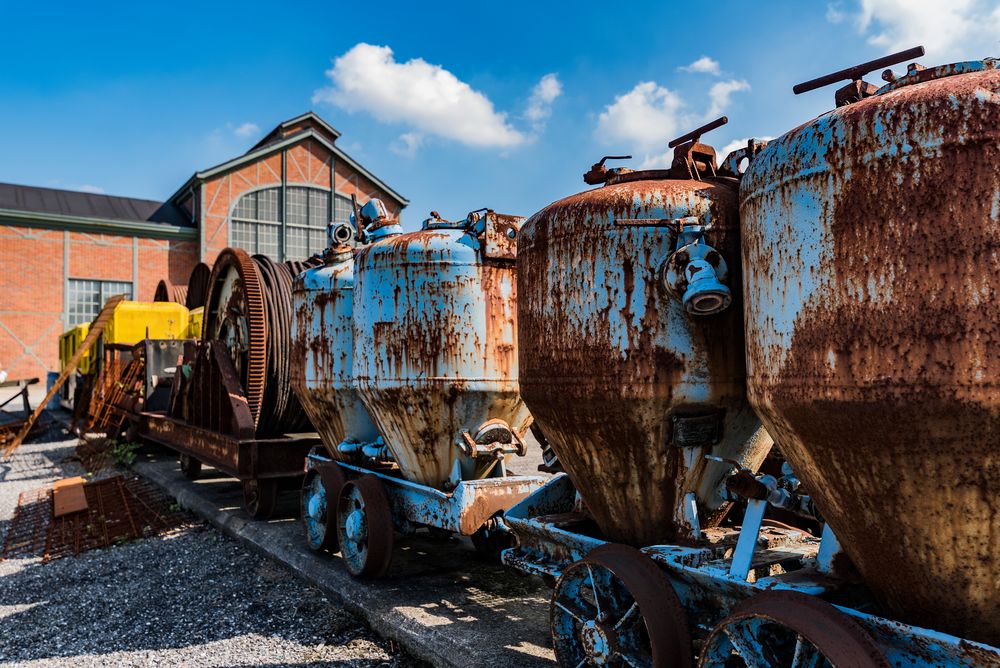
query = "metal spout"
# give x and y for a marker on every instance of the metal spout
(696, 273)
(705, 293)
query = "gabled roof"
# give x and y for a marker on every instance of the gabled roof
(293, 125)
(290, 132)
(53, 208)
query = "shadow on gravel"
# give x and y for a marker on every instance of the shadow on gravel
(173, 596)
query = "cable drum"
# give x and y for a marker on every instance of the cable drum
(249, 308)
(197, 289)
(167, 292)
(284, 406)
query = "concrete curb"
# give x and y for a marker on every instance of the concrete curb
(423, 641)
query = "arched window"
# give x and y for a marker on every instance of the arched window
(256, 223)
(259, 218)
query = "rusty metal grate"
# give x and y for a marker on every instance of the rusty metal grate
(120, 509)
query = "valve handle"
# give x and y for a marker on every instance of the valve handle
(613, 157)
(856, 72)
(696, 134)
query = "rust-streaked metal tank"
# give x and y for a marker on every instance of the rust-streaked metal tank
(435, 352)
(323, 352)
(872, 235)
(630, 340)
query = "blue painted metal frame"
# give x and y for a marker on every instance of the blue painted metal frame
(462, 511)
(709, 583)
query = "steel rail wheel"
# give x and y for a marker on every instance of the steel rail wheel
(190, 467)
(787, 629)
(260, 497)
(319, 519)
(364, 527)
(615, 607)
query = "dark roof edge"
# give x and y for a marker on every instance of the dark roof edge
(316, 117)
(277, 146)
(138, 228)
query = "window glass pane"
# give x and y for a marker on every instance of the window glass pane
(246, 207)
(296, 244)
(86, 298)
(317, 241)
(244, 236)
(342, 209)
(319, 208)
(268, 240)
(298, 206)
(267, 205)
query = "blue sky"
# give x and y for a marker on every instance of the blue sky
(450, 103)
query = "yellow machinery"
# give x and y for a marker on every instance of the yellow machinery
(69, 342)
(195, 319)
(134, 321)
(130, 323)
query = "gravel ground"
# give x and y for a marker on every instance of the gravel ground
(192, 598)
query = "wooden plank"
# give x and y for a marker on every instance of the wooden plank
(68, 496)
(96, 328)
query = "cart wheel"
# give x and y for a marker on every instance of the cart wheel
(490, 540)
(260, 496)
(789, 628)
(190, 467)
(615, 607)
(364, 527)
(319, 521)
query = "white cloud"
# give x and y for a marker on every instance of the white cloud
(407, 144)
(835, 12)
(721, 153)
(87, 188)
(953, 30)
(644, 119)
(543, 95)
(245, 129)
(428, 98)
(703, 65)
(721, 93)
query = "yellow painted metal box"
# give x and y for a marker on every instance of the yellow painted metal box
(69, 342)
(134, 321)
(196, 317)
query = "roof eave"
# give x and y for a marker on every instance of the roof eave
(138, 228)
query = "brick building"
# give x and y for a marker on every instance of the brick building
(62, 253)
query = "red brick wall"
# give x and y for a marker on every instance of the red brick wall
(31, 284)
(31, 260)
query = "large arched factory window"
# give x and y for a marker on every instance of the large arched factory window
(308, 214)
(256, 222)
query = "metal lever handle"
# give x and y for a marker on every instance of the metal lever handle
(697, 133)
(856, 72)
(613, 157)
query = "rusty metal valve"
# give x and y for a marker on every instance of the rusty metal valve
(695, 273)
(494, 438)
